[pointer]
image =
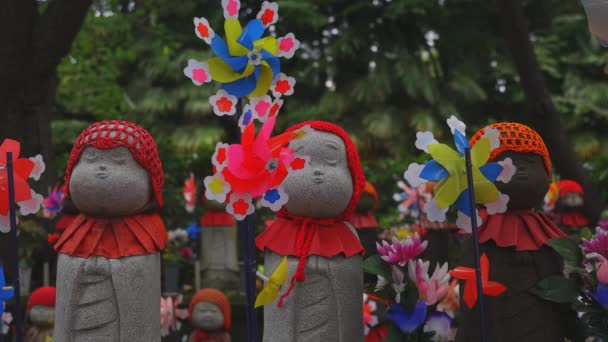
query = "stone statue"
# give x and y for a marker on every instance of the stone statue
(40, 313)
(515, 243)
(321, 300)
(568, 208)
(108, 273)
(218, 255)
(210, 316)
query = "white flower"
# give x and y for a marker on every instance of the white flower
(508, 170)
(231, 8)
(223, 103)
(494, 135)
(275, 199)
(464, 221)
(412, 175)
(216, 188)
(39, 167)
(283, 85)
(288, 45)
(220, 156)
(398, 282)
(198, 72)
(269, 14)
(380, 284)
(433, 213)
(203, 30)
(240, 206)
(32, 205)
(456, 125)
(424, 139)
(499, 206)
(261, 107)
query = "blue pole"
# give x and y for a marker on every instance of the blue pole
(473, 213)
(13, 221)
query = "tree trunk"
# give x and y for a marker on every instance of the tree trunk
(542, 114)
(32, 46)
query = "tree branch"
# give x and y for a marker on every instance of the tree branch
(56, 30)
(542, 114)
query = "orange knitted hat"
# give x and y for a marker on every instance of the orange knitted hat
(517, 138)
(216, 297)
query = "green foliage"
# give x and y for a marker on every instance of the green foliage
(557, 289)
(568, 248)
(375, 265)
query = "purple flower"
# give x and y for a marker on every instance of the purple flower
(407, 322)
(599, 243)
(601, 295)
(401, 252)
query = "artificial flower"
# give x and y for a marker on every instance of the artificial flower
(370, 314)
(398, 282)
(439, 323)
(430, 289)
(601, 295)
(598, 244)
(189, 193)
(424, 139)
(401, 252)
(407, 321)
(194, 230)
(53, 202)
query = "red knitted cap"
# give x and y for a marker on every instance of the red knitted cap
(216, 297)
(44, 296)
(114, 133)
(354, 163)
(569, 186)
(517, 138)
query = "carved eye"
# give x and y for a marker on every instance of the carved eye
(119, 157)
(331, 154)
(89, 155)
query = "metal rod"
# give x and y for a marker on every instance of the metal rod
(473, 213)
(13, 220)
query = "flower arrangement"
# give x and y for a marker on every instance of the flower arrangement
(412, 289)
(178, 248)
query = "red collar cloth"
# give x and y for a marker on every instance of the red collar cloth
(525, 230)
(364, 220)
(213, 218)
(202, 336)
(113, 238)
(572, 219)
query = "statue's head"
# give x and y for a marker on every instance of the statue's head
(210, 310)
(114, 170)
(41, 307)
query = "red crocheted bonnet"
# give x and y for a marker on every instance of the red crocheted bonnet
(354, 163)
(566, 186)
(114, 133)
(44, 296)
(517, 138)
(216, 297)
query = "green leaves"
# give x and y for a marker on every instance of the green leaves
(557, 289)
(568, 248)
(375, 265)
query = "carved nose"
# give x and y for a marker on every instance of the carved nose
(102, 167)
(318, 172)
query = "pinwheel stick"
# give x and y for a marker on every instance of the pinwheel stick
(248, 242)
(13, 222)
(261, 276)
(473, 215)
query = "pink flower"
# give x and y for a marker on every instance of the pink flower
(432, 289)
(599, 243)
(186, 252)
(401, 252)
(601, 267)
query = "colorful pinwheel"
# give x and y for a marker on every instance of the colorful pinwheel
(551, 197)
(6, 292)
(245, 63)
(255, 168)
(189, 193)
(171, 314)
(489, 288)
(448, 169)
(411, 201)
(53, 202)
(29, 201)
(270, 292)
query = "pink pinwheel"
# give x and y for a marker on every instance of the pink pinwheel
(53, 203)
(169, 315)
(411, 200)
(401, 252)
(432, 289)
(190, 193)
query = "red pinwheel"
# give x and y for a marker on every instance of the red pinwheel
(488, 287)
(190, 193)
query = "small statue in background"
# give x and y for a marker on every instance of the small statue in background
(40, 314)
(108, 270)
(568, 207)
(321, 300)
(210, 316)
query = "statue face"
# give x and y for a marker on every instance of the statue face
(109, 183)
(324, 189)
(42, 316)
(572, 200)
(529, 185)
(207, 316)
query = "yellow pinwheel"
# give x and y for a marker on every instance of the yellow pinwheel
(270, 292)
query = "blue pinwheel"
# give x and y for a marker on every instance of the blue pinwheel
(194, 230)
(6, 292)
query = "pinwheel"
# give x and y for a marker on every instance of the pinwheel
(23, 168)
(194, 230)
(448, 169)
(170, 314)
(245, 63)
(189, 193)
(53, 202)
(270, 291)
(488, 287)
(411, 201)
(6, 292)
(254, 168)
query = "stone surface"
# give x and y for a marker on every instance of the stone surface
(101, 299)
(109, 183)
(327, 307)
(219, 262)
